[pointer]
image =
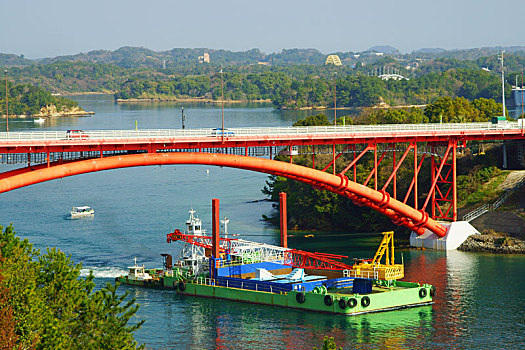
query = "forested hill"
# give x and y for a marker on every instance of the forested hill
(297, 91)
(140, 57)
(294, 78)
(26, 99)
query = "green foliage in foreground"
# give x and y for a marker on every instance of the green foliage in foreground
(52, 307)
(28, 99)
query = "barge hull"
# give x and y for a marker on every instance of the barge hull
(382, 301)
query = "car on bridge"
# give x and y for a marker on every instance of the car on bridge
(221, 132)
(290, 151)
(76, 135)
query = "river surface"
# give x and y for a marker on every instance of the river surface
(480, 300)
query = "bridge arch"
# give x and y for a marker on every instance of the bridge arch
(400, 213)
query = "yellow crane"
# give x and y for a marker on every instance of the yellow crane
(388, 271)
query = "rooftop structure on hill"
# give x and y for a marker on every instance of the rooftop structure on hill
(333, 59)
(205, 58)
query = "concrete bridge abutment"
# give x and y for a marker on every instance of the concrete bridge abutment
(457, 233)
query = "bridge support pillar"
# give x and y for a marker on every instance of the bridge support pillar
(457, 233)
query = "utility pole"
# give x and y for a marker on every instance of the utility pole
(6, 103)
(503, 100)
(222, 105)
(502, 82)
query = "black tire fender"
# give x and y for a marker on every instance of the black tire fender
(328, 300)
(352, 302)
(300, 297)
(182, 286)
(422, 292)
(432, 291)
(365, 301)
(342, 303)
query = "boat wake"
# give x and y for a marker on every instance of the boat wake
(103, 272)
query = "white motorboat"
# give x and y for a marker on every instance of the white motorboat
(81, 212)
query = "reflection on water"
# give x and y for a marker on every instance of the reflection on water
(207, 323)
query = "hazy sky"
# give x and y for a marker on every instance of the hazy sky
(48, 28)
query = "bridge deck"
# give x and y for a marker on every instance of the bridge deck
(58, 141)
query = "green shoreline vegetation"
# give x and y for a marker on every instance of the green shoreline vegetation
(310, 92)
(45, 304)
(28, 100)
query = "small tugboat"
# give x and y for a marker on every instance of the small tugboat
(82, 212)
(138, 276)
(265, 274)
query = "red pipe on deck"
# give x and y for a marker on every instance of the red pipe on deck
(215, 226)
(283, 219)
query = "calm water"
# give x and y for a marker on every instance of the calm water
(480, 301)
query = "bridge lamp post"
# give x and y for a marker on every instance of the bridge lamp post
(502, 81)
(6, 103)
(222, 106)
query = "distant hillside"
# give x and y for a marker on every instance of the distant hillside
(136, 57)
(389, 50)
(8, 60)
(140, 57)
(430, 50)
(470, 54)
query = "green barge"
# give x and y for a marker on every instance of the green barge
(263, 274)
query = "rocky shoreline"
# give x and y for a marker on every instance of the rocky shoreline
(51, 112)
(490, 243)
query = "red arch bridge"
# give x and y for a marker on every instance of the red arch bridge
(50, 155)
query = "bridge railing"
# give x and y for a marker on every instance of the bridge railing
(252, 131)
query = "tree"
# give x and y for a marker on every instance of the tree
(488, 107)
(313, 120)
(53, 307)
